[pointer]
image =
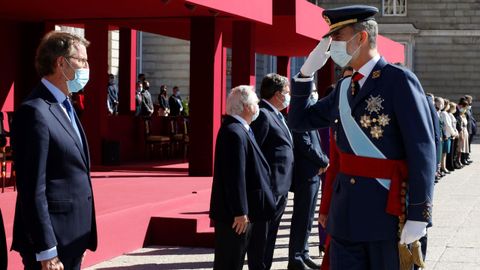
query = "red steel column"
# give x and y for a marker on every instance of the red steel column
(283, 66)
(224, 80)
(243, 53)
(127, 70)
(95, 116)
(206, 49)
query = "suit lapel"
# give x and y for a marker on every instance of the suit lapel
(277, 120)
(369, 84)
(85, 143)
(60, 115)
(255, 145)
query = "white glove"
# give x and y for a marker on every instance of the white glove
(412, 231)
(317, 58)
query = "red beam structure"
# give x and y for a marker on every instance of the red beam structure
(128, 69)
(243, 53)
(206, 51)
(95, 114)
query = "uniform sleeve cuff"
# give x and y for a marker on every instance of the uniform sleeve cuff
(47, 254)
(299, 78)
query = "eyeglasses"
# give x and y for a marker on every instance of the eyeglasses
(83, 61)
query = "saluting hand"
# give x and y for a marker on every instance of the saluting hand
(240, 224)
(317, 58)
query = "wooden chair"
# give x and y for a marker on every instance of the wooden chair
(152, 140)
(179, 134)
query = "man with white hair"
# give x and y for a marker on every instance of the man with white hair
(241, 193)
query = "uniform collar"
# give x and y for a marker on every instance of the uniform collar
(366, 69)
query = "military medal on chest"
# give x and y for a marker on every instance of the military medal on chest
(373, 119)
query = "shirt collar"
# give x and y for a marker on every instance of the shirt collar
(57, 93)
(273, 107)
(242, 121)
(366, 69)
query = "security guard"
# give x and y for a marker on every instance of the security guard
(382, 129)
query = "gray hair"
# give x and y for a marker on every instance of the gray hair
(240, 96)
(371, 27)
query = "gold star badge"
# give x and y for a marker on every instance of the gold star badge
(366, 121)
(383, 120)
(376, 132)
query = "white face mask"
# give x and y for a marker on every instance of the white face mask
(339, 54)
(314, 97)
(286, 101)
(257, 113)
(79, 80)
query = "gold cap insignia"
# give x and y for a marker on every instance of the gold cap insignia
(327, 20)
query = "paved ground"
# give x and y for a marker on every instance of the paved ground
(454, 241)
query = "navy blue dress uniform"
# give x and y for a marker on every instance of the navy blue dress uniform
(55, 204)
(388, 119)
(393, 115)
(241, 186)
(309, 158)
(274, 138)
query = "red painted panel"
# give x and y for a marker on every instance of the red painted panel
(309, 21)
(392, 51)
(257, 10)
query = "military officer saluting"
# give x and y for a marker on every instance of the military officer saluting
(385, 151)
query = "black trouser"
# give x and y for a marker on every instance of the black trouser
(30, 262)
(304, 204)
(230, 247)
(264, 235)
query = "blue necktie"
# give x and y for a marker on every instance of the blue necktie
(250, 131)
(71, 114)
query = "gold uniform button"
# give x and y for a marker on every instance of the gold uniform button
(352, 181)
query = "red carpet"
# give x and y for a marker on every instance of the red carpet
(131, 200)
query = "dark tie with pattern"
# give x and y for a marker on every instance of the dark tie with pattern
(355, 85)
(71, 114)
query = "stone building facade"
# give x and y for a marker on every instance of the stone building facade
(441, 37)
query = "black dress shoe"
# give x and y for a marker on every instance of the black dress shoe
(310, 263)
(297, 265)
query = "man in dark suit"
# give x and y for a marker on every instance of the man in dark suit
(383, 136)
(310, 163)
(175, 102)
(241, 193)
(275, 140)
(54, 217)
